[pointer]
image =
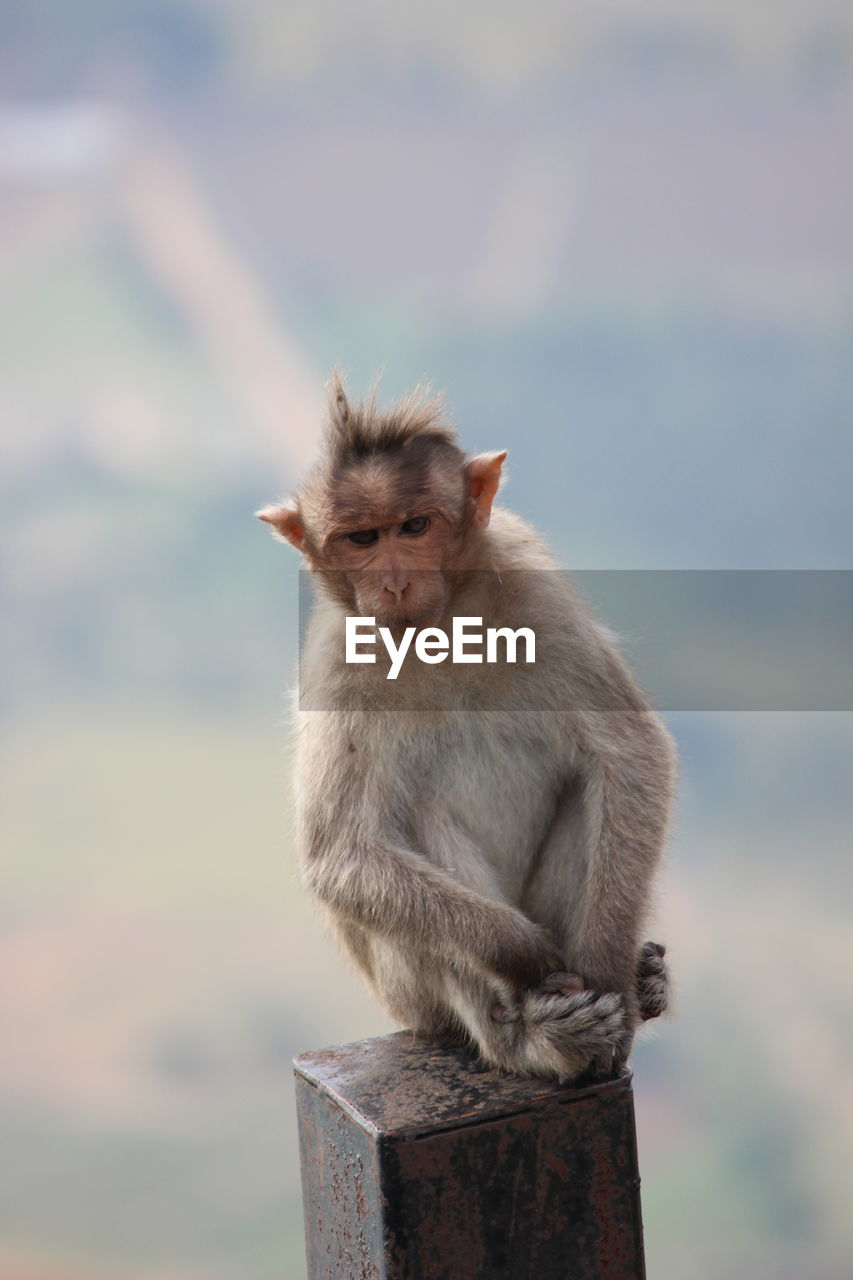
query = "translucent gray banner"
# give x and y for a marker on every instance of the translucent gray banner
(696, 640)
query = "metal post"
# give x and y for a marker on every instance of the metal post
(418, 1162)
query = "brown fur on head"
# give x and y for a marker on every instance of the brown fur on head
(385, 514)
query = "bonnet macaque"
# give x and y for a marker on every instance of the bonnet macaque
(483, 837)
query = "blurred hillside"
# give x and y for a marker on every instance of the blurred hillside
(623, 246)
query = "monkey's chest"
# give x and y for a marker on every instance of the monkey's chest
(487, 787)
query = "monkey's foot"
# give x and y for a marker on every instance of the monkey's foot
(556, 984)
(565, 1035)
(652, 980)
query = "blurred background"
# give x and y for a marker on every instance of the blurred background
(621, 238)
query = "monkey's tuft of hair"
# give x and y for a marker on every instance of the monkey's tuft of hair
(363, 427)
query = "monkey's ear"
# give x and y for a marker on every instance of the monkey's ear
(483, 475)
(286, 524)
(337, 405)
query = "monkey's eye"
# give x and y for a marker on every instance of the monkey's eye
(364, 537)
(417, 524)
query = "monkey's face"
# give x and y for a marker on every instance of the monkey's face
(391, 512)
(392, 524)
(395, 571)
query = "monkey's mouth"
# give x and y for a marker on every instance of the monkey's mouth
(408, 613)
(398, 623)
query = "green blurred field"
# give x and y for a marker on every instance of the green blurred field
(161, 969)
(621, 244)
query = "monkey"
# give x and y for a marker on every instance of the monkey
(484, 849)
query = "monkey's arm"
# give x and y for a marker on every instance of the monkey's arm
(595, 870)
(627, 769)
(396, 893)
(356, 863)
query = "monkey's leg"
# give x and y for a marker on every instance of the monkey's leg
(592, 880)
(390, 890)
(552, 1028)
(412, 988)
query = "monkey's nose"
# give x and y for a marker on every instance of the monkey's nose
(396, 584)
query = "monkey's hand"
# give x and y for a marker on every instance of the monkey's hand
(578, 1022)
(555, 984)
(561, 984)
(652, 980)
(523, 955)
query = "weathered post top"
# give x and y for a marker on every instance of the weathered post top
(417, 1161)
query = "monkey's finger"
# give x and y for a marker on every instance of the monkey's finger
(504, 1013)
(561, 984)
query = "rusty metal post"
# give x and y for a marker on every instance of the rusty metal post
(418, 1162)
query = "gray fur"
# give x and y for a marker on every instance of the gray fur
(464, 855)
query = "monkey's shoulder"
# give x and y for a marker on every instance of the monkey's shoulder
(532, 581)
(515, 544)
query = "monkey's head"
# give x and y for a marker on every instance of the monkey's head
(391, 510)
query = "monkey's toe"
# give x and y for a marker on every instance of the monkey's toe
(652, 981)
